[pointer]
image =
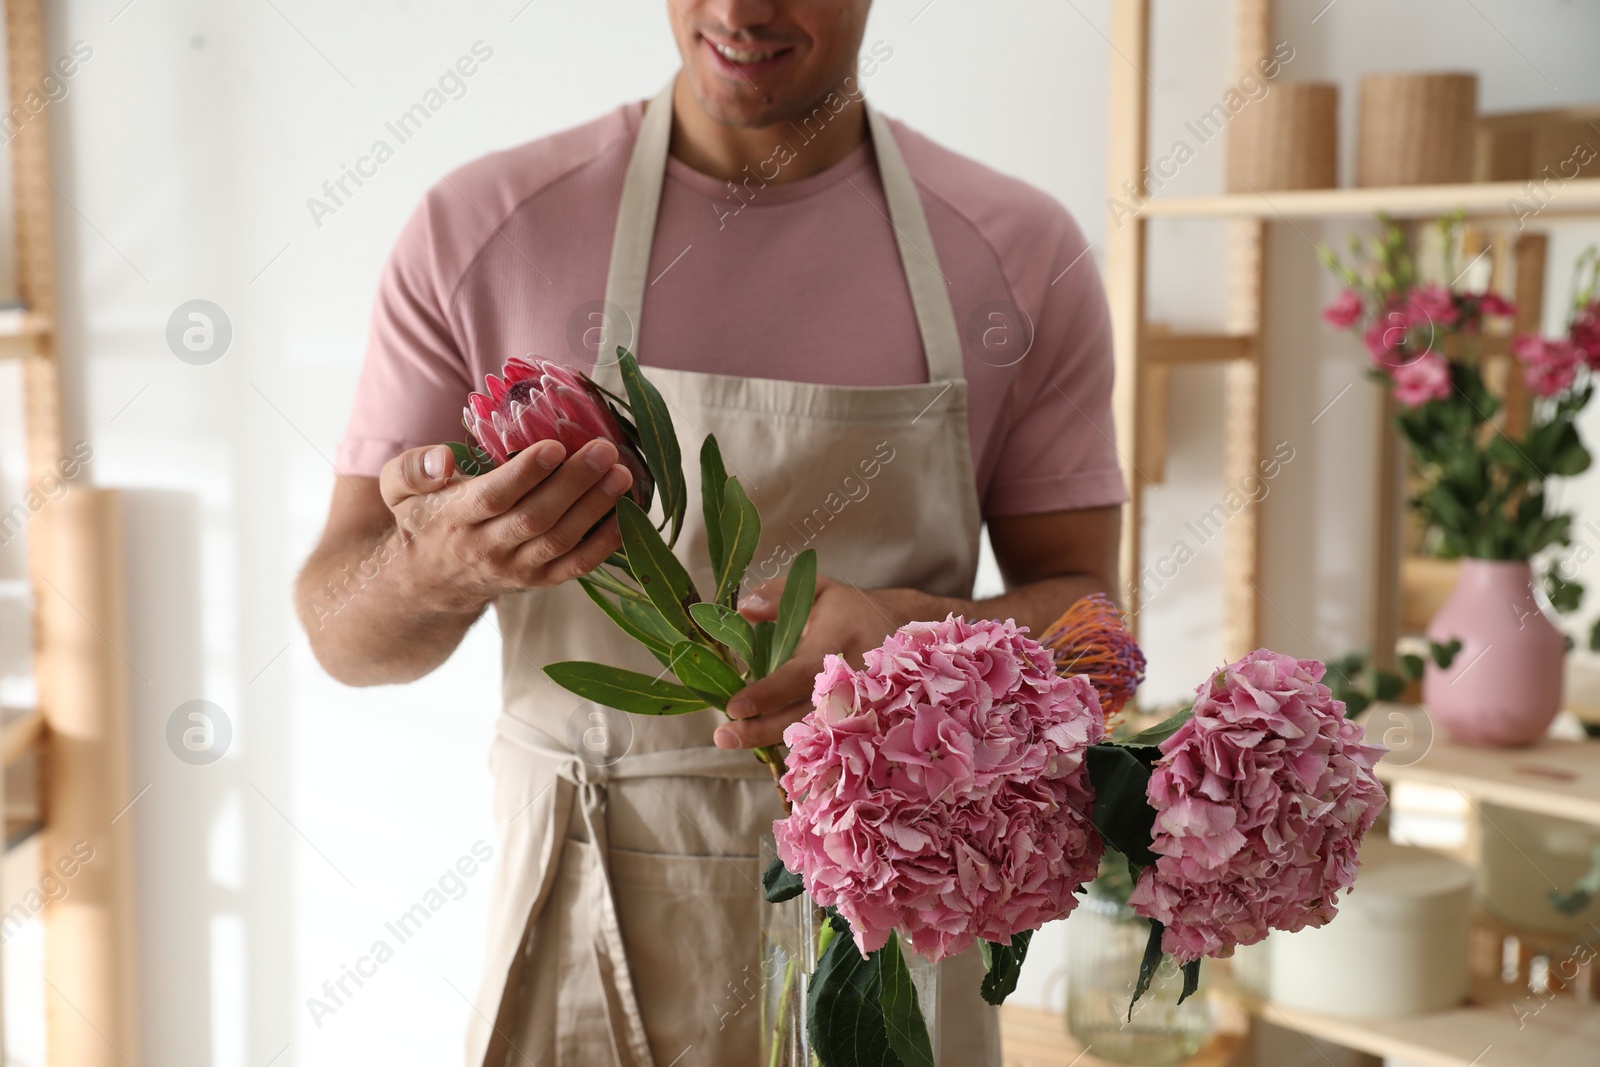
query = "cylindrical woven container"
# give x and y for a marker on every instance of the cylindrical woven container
(1416, 129)
(1569, 148)
(1289, 139)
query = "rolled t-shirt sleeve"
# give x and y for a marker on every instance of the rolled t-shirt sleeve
(414, 380)
(1059, 450)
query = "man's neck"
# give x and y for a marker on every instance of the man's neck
(815, 140)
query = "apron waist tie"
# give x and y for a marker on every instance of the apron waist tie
(587, 783)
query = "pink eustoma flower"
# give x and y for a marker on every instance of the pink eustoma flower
(1549, 367)
(1345, 311)
(538, 400)
(1425, 378)
(1261, 799)
(1431, 304)
(942, 789)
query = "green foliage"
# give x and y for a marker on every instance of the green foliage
(614, 687)
(779, 883)
(863, 1011)
(1566, 595)
(1358, 682)
(658, 441)
(1003, 966)
(794, 607)
(470, 459)
(1445, 654)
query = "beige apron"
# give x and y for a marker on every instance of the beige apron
(625, 923)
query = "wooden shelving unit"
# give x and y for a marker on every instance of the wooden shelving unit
(1479, 200)
(1555, 778)
(79, 730)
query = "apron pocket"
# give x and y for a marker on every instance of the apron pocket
(691, 925)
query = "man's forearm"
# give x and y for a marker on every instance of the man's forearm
(367, 626)
(1035, 605)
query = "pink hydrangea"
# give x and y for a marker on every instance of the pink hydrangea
(942, 791)
(1345, 311)
(1549, 367)
(1262, 800)
(1425, 378)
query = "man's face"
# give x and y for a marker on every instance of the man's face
(753, 63)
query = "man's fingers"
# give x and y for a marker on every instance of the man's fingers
(762, 730)
(761, 603)
(415, 472)
(498, 491)
(544, 506)
(590, 553)
(789, 684)
(570, 527)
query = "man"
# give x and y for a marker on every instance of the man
(890, 342)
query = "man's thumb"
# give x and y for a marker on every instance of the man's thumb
(417, 471)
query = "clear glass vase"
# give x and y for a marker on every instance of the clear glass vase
(1105, 943)
(790, 937)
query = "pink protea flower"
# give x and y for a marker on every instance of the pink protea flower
(1549, 367)
(942, 791)
(539, 400)
(1345, 311)
(1262, 799)
(1425, 378)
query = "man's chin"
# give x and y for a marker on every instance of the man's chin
(749, 108)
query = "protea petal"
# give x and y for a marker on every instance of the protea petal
(535, 400)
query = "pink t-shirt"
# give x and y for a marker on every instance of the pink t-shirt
(507, 256)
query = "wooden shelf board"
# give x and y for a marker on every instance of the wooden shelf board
(1554, 777)
(1555, 1033)
(1478, 199)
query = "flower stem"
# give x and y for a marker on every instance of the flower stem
(772, 756)
(781, 1018)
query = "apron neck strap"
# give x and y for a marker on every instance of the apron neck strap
(636, 227)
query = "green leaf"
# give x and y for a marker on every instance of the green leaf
(1191, 980)
(657, 440)
(699, 668)
(844, 1017)
(1383, 685)
(740, 527)
(1444, 655)
(1147, 965)
(762, 647)
(794, 607)
(656, 569)
(614, 687)
(902, 1015)
(1160, 731)
(729, 627)
(1121, 813)
(470, 459)
(643, 614)
(713, 476)
(779, 883)
(1004, 963)
(1411, 666)
(659, 648)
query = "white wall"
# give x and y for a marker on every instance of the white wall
(188, 146)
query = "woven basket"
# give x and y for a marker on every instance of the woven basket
(1416, 129)
(1289, 139)
(1571, 149)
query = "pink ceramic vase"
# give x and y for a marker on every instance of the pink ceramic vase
(1504, 686)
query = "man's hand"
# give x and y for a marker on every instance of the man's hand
(409, 560)
(528, 524)
(844, 620)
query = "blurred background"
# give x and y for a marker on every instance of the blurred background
(183, 160)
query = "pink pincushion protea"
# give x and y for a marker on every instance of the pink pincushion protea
(543, 401)
(942, 791)
(1261, 801)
